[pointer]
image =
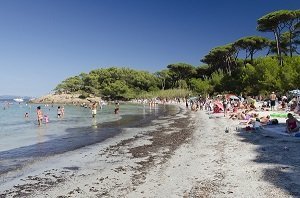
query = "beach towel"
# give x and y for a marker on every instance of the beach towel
(279, 115)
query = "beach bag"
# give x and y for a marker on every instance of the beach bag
(274, 121)
(248, 128)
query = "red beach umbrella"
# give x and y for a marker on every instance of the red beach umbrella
(219, 104)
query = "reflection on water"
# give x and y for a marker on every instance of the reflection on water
(40, 134)
(94, 123)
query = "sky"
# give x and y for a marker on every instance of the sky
(43, 42)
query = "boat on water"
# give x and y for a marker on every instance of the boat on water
(18, 99)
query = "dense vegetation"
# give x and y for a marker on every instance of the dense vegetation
(225, 69)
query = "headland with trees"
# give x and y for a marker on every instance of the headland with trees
(252, 65)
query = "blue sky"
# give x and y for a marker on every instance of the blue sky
(43, 42)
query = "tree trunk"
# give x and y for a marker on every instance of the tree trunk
(291, 47)
(164, 84)
(278, 47)
(251, 56)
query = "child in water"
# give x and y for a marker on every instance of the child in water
(46, 119)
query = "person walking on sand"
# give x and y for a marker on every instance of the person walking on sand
(94, 109)
(225, 106)
(273, 99)
(39, 115)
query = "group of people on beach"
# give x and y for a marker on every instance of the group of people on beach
(248, 109)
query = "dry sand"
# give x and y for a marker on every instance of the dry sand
(187, 154)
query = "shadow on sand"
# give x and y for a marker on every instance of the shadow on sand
(282, 158)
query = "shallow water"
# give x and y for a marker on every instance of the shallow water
(22, 140)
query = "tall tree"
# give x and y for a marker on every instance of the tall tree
(251, 45)
(274, 22)
(222, 58)
(163, 75)
(296, 39)
(181, 71)
(290, 20)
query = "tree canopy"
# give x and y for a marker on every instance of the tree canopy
(224, 69)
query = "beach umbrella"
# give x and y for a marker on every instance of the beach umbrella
(251, 100)
(227, 96)
(233, 97)
(219, 104)
(295, 92)
(193, 98)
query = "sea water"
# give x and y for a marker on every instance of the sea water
(22, 139)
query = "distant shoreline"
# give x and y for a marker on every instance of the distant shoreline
(64, 99)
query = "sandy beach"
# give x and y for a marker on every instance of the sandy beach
(185, 154)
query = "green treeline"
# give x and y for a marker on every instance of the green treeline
(229, 68)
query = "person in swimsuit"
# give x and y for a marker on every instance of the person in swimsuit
(94, 109)
(39, 115)
(62, 111)
(59, 112)
(46, 119)
(272, 99)
(225, 106)
(117, 108)
(292, 124)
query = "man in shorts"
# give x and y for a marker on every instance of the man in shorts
(273, 99)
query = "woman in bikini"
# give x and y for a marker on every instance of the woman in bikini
(292, 124)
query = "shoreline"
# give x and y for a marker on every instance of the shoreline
(187, 154)
(63, 99)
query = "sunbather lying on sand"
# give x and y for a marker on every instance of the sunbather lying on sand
(265, 120)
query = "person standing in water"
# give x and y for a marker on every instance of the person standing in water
(62, 111)
(39, 115)
(59, 112)
(117, 108)
(94, 109)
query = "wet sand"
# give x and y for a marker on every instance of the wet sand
(185, 154)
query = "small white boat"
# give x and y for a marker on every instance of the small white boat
(19, 100)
